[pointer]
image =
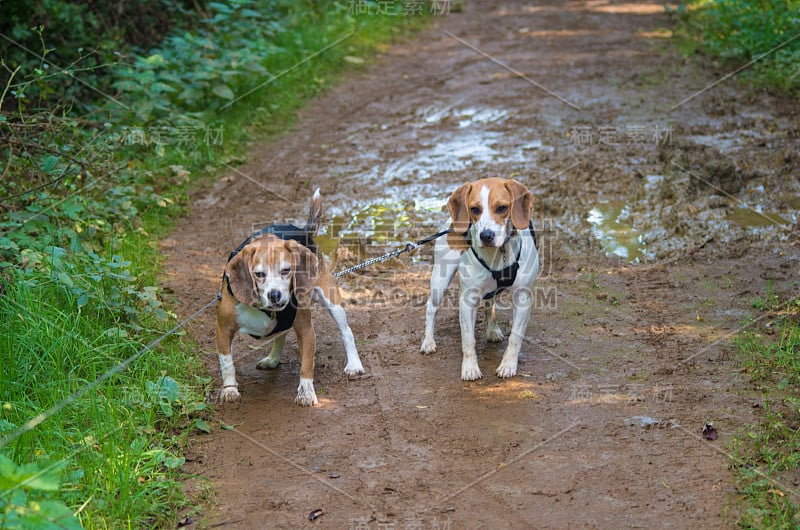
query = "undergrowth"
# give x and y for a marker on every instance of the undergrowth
(98, 152)
(766, 456)
(734, 33)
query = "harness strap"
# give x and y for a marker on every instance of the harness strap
(504, 277)
(285, 317)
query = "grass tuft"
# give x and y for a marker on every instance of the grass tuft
(766, 456)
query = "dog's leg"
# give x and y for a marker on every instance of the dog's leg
(493, 331)
(353, 365)
(468, 309)
(307, 344)
(445, 265)
(230, 390)
(521, 316)
(274, 358)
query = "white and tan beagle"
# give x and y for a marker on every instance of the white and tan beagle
(267, 287)
(493, 247)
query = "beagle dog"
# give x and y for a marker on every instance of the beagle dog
(493, 246)
(267, 287)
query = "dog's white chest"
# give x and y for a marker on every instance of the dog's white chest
(254, 322)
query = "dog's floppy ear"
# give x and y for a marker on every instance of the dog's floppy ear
(459, 213)
(240, 276)
(522, 204)
(305, 269)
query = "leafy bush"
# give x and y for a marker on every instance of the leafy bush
(739, 31)
(201, 71)
(18, 511)
(83, 38)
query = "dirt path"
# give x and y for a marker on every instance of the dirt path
(613, 346)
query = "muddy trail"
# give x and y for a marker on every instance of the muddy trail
(663, 210)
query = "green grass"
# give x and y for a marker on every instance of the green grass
(766, 456)
(733, 33)
(114, 439)
(79, 292)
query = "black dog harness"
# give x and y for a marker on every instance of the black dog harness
(504, 277)
(285, 317)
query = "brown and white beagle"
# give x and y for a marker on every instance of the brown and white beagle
(267, 287)
(493, 247)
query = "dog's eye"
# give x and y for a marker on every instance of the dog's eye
(501, 209)
(286, 271)
(475, 210)
(260, 275)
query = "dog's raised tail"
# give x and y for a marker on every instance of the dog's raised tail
(314, 212)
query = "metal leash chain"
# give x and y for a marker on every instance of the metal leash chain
(409, 247)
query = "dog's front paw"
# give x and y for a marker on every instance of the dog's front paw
(470, 371)
(428, 345)
(494, 333)
(229, 394)
(306, 396)
(507, 369)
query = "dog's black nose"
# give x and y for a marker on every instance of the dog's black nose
(274, 296)
(487, 236)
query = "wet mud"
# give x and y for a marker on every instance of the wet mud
(659, 223)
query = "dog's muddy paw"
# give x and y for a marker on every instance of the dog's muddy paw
(494, 334)
(306, 396)
(470, 372)
(268, 363)
(229, 394)
(506, 370)
(428, 346)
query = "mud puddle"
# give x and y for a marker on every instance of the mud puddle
(611, 226)
(689, 192)
(687, 208)
(379, 225)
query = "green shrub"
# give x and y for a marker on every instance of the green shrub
(738, 31)
(19, 511)
(201, 71)
(49, 37)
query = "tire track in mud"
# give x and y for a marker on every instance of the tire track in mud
(571, 442)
